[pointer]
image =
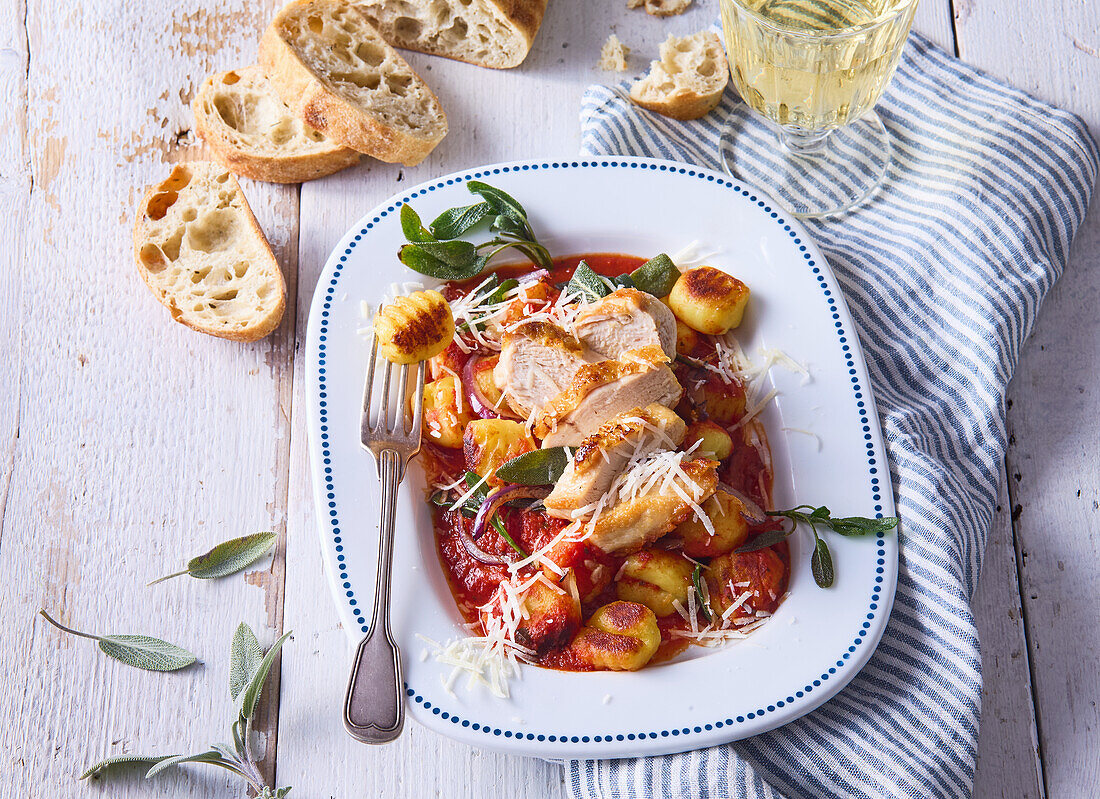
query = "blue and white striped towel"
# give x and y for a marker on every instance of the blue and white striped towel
(943, 270)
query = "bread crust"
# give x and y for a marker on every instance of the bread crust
(258, 329)
(325, 111)
(282, 168)
(682, 105)
(523, 17)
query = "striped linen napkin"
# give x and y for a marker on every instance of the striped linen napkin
(943, 270)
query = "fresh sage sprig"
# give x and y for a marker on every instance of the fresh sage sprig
(248, 671)
(437, 250)
(139, 651)
(227, 558)
(821, 561)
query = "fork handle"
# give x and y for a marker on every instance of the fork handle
(374, 710)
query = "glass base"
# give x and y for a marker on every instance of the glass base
(808, 174)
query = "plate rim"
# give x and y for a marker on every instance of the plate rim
(778, 712)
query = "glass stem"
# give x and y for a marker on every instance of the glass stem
(803, 142)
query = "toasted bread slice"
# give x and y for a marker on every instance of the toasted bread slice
(332, 67)
(688, 81)
(489, 33)
(201, 253)
(253, 133)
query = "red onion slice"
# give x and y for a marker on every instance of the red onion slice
(478, 401)
(499, 497)
(749, 509)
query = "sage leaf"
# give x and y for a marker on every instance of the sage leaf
(501, 203)
(418, 259)
(857, 525)
(821, 564)
(541, 467)
(93, 772)
(453, 222)
(697, 584)
(245, 657)
(588, 283)
(212, 756)
(227, 558)
(251, 694)
(764, 539)
(139, 651)
(412, 227)
(656, 276)
(144, 652)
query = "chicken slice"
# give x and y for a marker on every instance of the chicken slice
(603, 455)
(599, 391)
(636, 522)
(627, 319)
(537, 361)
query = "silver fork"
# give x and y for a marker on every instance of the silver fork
(374, 708)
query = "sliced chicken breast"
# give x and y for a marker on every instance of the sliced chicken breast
(603, 455)
(627, 319)
(602, 390)
(635, 523)
(538, 360)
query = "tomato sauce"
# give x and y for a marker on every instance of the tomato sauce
(474, 583)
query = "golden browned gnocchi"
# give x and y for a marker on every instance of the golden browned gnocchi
(760, 574)
(446, 412)
(657, 579)
(552, 615)
(414, 327)
(489, 443)
(730, 528)
(621, 636)
(709, 300)
(714, 442)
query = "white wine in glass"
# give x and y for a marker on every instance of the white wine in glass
(814, 69)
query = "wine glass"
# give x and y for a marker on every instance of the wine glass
(810, 72)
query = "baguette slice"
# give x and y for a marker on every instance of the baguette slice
(489, 33)
(335, 71)
(253, 133)
(688, 81)
(201, 253)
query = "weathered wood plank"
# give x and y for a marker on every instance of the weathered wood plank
(15, 190)
(143, 442)
(1053, 51)
(1008, 760)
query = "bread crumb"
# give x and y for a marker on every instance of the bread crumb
(613, 55)
(661, 8)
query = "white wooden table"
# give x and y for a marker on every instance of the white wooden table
(130, 443)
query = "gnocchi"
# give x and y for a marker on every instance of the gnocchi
(714, 442)
(709, 300)
(414, 327)
(657, 579)
(446, 412)
(487, 444)
(552, 616)
(730, 528)
(621, 636)
(761, 574)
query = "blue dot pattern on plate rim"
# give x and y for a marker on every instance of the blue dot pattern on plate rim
(857, 388)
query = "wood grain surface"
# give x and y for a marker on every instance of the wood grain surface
(129, 443)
